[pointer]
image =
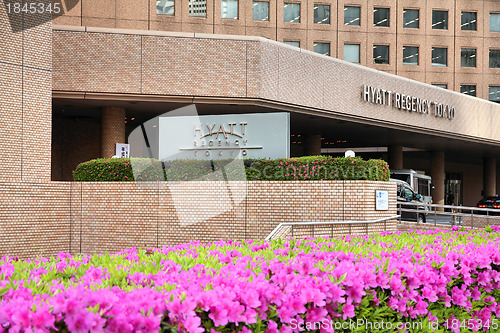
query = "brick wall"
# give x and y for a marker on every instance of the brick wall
(68, 152)
(407, 226)
(142, 15)
(96, 217)
(34, 218)
(26, 97)
(468, 222)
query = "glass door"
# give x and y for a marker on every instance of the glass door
(453, 189)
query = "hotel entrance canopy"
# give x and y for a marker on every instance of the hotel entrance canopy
(149, 70)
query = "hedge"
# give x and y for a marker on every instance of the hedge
(302, 168)
(119, 169)
(319, 168)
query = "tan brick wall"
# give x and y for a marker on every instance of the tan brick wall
(26, 98)
(67, 152)
(141, 15)
(468, 223)
(112, 130)
(34, 218)
(97, 217)
(100, 62)
(480, 221)
(116, 216)
(407, 226)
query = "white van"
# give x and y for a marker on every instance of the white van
(408, 199)
(421, 184)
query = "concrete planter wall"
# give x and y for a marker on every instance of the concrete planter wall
(95, 217)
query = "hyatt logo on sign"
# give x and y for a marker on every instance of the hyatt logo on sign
(229, 140)
(265, 135)
(407, 102)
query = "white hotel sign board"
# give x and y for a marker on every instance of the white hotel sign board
(254, 135)
(382, 200)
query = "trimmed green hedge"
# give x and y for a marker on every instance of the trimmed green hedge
(319, 168)
(119, 169)
(302, 168)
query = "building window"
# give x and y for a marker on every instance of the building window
(439, 56)
(468, 57)
(229, 9)
(468, 89)
(322, 14)
(494, 21)
(495, 58)
(292, 12)
(260, 11)
(380, 54)
(322, 48)
(469, 21)
(292, 43)
(165, 7)
(198, 8)
(352, 15)
(440, 85)
(410, 55)
(494, 94)
(351, 53)
(381, 17)
(410, 18)
(439, 19)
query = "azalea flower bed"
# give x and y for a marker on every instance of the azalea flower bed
(446, 281)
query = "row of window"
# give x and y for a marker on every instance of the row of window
(352, 14)
(381, 56)
(470, 89)
(410, 54)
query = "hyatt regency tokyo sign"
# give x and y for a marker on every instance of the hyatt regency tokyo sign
(407, 102)
(256, 135)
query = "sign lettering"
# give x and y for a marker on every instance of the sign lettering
(407, 102)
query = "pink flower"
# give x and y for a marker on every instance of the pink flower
(348, 311)
(193, 324)
(272, 327)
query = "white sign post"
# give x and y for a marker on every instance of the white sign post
(382, 200)
(122, 150)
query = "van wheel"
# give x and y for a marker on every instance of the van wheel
(421, 218)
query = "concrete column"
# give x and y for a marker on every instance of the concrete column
(489, 177)
(438, 177)
(112, 130)
(312, 145)
(395, 157)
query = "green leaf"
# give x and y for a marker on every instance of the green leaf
(4, 291)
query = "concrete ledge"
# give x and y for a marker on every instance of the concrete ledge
(155, 33)
(68, 28)
(225, 37)
(279, 44)
(175, 34)
(314, 54)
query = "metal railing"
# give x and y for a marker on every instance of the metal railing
(444, 215)
(327, 228)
